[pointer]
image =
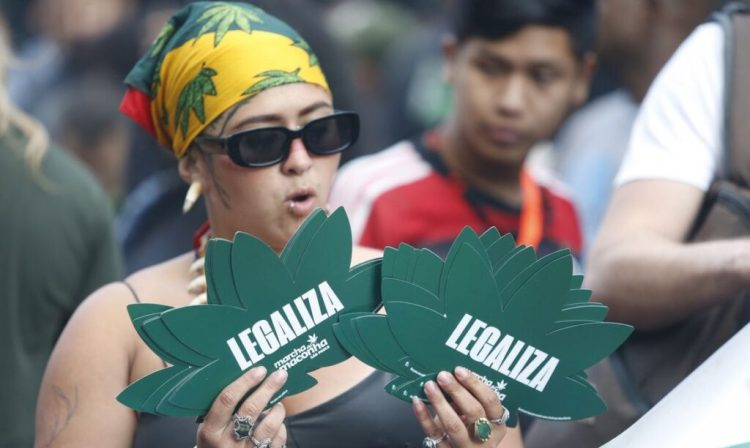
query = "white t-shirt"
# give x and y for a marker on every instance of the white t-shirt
(677, 134)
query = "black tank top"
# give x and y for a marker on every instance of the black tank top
(365, 416)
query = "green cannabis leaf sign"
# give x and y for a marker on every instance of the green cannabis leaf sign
(263, 309)
(521, 324)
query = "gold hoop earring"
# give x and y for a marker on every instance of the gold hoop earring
(192, 195)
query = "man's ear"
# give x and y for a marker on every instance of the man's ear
(449, 47)
(586, 69)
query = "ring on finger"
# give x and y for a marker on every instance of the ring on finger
(482, 429)
(262, 443)
(502, 420)
(243, 426)
(433, 442)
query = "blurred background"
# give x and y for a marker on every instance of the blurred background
(382, 58)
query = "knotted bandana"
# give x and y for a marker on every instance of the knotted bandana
(208, 57)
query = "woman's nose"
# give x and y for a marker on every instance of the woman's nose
(299, 159)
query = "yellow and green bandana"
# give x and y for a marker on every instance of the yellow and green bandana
(209, 56)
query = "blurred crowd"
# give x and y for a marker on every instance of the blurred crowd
(383, 59)
(71, 56)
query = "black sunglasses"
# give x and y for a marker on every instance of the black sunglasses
(267, 146)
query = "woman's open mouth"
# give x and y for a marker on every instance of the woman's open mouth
(301, 202)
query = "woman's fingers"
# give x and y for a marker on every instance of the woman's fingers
(472, 404)
(489, 401)
(255, 403)
(452, 423)
(280, 439)
(463, 401)
(219, 425)
(271, 424)
(222, 409)
(425, 419)
(430, 425)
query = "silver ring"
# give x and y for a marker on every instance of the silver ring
(430, 442)
(243, 426)
(263, 443)
(502, 420)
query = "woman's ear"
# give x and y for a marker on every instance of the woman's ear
(188, 167)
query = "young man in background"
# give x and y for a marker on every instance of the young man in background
(517, 68)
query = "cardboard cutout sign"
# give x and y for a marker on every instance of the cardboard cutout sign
(521, 324)
(263, 309)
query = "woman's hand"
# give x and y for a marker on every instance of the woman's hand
(453, 423)
(268, 430)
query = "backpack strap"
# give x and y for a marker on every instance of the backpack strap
(735, 22)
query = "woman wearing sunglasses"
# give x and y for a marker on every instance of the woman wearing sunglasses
(240, 99)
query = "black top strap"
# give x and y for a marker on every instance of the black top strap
(132, 291)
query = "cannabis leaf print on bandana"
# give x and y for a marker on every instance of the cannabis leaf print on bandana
(191, 98)
(273, 78)
(222, 16)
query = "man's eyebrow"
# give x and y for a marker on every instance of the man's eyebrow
(543, 65)
(489, 54)
(531, 62)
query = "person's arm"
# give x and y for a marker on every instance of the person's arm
(640, 266)
(88, 368)
(92, 364)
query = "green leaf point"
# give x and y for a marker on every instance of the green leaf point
(291, 302)
(313, 58)
(219, 18)
(161, 40)
(273, 78)
(191, 99)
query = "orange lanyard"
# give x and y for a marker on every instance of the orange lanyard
(531, 222)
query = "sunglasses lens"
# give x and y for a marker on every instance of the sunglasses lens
(331, 134)
(265, 147)
(261, 147)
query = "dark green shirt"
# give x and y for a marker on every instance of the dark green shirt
(56, 247)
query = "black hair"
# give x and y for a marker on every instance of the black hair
(497, 19)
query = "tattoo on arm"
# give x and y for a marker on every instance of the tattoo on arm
(62, 410)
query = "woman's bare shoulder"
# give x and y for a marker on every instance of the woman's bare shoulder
(165, 283)
(104, 305)
(105, 310)
(98, 354)
(100, 335)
